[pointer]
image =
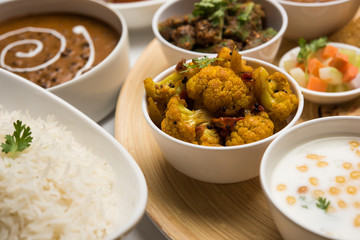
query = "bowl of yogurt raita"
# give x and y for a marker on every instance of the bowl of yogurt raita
(310, 176)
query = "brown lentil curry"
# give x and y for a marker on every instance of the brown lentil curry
(68, 45)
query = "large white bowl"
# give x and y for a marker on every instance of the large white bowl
(323, 97)
(95, 92)
(289, 228)
(18, 94)
(313, 20)
(218, 164)
(276, 18)
(139, 14)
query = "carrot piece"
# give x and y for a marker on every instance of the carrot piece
(329, 51)
(339, 61)
(350, 72)
(316, 84)
(300, 65)
(313, 66)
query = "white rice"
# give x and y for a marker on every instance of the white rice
(56, 188)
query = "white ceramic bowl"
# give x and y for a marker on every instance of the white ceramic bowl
(323, 97)
(218, 164)
(18, 94)
(276, 18)
(288, 140)
(139, 14)
(313, 20)
(96, 91)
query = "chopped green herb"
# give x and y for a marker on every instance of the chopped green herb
(322, 203)
(244, 16)
(214, 10)
(19, 141)
(306, 50)
(200, 63)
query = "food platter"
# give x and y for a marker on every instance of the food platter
(184, 208)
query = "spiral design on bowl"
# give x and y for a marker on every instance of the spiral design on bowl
(79, 29)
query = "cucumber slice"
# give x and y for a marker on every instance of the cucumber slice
(299, 75)
(357, 61)
(289, 64)
(350, 53)
(338, 88)
(331, 75)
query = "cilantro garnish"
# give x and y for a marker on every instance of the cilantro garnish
(322, 203)
(19, 141)
(200, 63)
(245, 15)
(214, 10)
(307, 50)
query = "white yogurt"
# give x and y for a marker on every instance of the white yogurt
(329, 169)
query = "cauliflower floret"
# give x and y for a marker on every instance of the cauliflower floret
(180, 122)
(252, 128)
(155, 113)
(232, 59)
(220, 90)
(207, 135)
(224, 57)
(275, 94)
(162, 91)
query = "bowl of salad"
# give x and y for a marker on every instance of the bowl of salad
(327, 72)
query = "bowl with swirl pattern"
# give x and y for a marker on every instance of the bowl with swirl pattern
(77, 50)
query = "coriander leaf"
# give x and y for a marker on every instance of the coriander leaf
(214, 10)
(307, 50)
(19, 141)
(245, 14)
(322, 203)
(200, 63)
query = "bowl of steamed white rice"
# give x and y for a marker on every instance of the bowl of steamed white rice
(61, 175)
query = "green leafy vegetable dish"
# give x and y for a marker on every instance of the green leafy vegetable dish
(214, 24)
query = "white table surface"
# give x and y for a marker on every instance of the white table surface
(146, 229)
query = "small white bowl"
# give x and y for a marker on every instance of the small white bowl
(323, 97)
(18, 94)
(138, 14)
(313, 20)
(95, 92)
(219, 164)
(276, 18)
(302, 133)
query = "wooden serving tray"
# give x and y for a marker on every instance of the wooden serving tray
(184, 208)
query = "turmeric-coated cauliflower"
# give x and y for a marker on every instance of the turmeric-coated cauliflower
(182, 123)
(220, 101)
(275, 94)
(252, 128)
(162, 91)
(207, 135)
(220, 90)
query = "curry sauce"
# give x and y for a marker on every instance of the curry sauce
(50, 49)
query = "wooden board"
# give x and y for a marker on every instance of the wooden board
(181, 207)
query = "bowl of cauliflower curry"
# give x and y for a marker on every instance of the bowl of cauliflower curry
(214, 117)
